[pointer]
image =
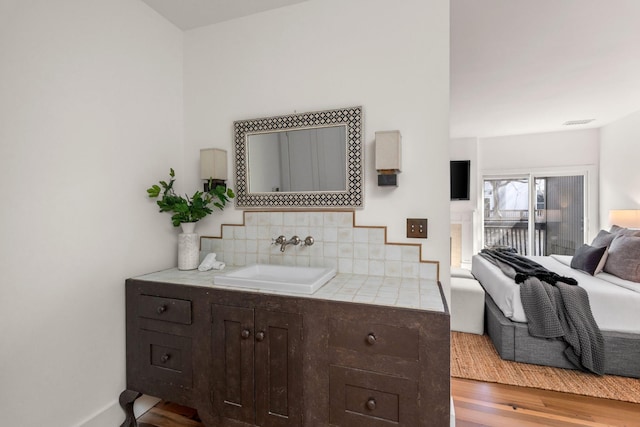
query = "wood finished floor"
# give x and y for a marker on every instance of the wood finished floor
(480, 404)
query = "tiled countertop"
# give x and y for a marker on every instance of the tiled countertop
(420, 294)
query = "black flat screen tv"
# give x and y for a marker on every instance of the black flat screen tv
(460, 173)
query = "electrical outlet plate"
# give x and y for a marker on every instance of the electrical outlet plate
(417, 228)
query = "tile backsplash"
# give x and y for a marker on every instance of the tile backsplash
(338, 244)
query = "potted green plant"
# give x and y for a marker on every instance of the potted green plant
(189, 209)
(186, 211)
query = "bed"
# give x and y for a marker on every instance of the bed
(615, 304)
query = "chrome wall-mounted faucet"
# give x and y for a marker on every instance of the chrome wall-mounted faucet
(283, 242)
(295, 240)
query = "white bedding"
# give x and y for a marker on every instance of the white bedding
(615, 303)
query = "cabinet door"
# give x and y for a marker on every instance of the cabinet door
(278, 369)
(232, 351)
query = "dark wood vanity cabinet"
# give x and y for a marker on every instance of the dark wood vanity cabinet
(256, 365)
(250, 359)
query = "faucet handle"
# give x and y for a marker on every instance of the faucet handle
(280, 240)
(308, 241)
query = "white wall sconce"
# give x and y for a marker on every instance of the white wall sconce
(627, 218)
(388, 157)
(213, 166)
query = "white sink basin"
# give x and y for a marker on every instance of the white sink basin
(303, 280)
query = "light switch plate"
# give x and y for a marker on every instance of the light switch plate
(417, 228)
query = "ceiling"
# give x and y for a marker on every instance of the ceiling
(517, 66)
(528, 66)
(189, 14)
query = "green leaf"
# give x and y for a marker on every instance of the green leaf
(189, 209)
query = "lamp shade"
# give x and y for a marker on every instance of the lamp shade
(388, 150)
(628, 218)
(213, 164)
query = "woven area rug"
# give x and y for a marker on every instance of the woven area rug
(474, 357)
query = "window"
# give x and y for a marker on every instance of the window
(535, 215)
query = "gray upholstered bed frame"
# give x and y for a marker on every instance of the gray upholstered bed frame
(513, 342)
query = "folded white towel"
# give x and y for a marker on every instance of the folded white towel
(207, 262)
(218, 265)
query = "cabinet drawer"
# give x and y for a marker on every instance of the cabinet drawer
(375, 339)
(166, 358)
(368, 399)
(166, 309)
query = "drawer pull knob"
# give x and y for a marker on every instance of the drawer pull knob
(371, 339)
(260, 336)
(165, 358)
(245, 334)
(161, 309)
(371, 404)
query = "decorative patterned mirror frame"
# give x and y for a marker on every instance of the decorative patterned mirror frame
(352, 197)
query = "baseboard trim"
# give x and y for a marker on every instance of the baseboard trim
(105, 417)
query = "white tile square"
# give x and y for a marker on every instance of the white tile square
(239, 232)
(410, 253)
(205, 245)
(345, 250)
(303, 261)
(316, 262)
(361, 251)
(251, 259)
(376, 268)
(302, 219)
(393, 253)
(410, 270)
(227, 232)
(302, 232)
(345, 265)
(289, 218)
(428, 271)
(264, 232)
(251, 232)
(330, 219)
(330, 250)
(360, 266)
(316, 250)
(250, 218)
(345, 235)
(393, 268)
(240, 246)
(251, 246)
(330, 234)
(276, 259)
(216, 245)
(376, 235)
(345, 219)
(228, 246)
(289, 260)
(376, 251)
(315, 219)
(264, 218)
(276, 218)
(361, 235)
(239, 258)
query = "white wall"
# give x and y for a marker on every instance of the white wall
(619, 168)
(577, 150)
(389, 57)
(540, 150)
(465, 212)
(90, 116)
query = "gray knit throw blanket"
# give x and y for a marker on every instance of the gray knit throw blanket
(558, 310)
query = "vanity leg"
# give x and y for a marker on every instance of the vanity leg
(127, 398)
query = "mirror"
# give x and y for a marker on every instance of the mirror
(298, 160)
(301, 160)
